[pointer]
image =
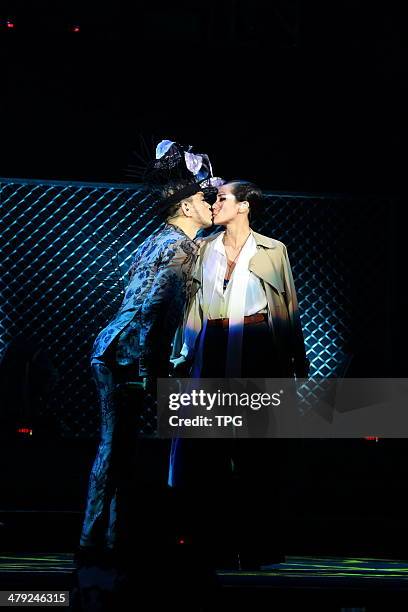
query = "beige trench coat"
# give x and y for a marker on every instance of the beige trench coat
(271, 264)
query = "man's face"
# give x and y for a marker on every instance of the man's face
(226, 206)
(200, 209)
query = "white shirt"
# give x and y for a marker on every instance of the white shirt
(243, 296)
(220, 300)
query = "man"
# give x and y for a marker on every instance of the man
(242, 321)
(137, 341)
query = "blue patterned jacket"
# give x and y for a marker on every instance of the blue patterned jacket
(152, 308)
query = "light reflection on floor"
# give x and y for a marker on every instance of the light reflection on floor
(294, 567)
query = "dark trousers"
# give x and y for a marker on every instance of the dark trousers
(233, 484)
(100, 522)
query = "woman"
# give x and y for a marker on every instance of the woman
(242, 321)
(240, 274)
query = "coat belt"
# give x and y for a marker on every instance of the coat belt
(255, 318)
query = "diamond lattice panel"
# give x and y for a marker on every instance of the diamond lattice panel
(66, 248)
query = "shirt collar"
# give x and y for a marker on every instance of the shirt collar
(219, 245)
(178, 229)
(260, 240)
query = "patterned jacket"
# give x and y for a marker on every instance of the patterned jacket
(152, 308)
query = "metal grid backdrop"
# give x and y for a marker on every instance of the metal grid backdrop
(66, 248)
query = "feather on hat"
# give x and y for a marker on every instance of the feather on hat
(175, 173)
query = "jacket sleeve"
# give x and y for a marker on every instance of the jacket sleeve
(184, 342)
(192, 327)
(298, 352)
(162, 308)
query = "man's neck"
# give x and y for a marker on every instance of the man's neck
(236, 233)
(187, 225)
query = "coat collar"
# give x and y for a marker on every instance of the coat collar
(262, 263)
(264, 241)
(260, 240)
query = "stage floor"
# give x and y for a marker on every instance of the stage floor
(325, 583)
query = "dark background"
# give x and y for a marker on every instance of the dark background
(297, 96)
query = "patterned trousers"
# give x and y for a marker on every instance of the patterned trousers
(100, 522)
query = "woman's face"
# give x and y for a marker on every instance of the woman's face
(226, 205)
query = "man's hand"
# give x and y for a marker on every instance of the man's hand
(178, 362)
(181, 367)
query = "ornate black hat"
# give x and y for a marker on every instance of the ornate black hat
(176, 173)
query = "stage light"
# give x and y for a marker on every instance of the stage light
(10, 24)
(75, 28)
(25, 431)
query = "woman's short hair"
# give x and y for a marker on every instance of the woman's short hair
(249, 192)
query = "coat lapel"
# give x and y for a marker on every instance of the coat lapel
(265, 262)
(262, 263)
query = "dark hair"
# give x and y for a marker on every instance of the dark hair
(171, 211)
(169, 208)
(247, 191)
